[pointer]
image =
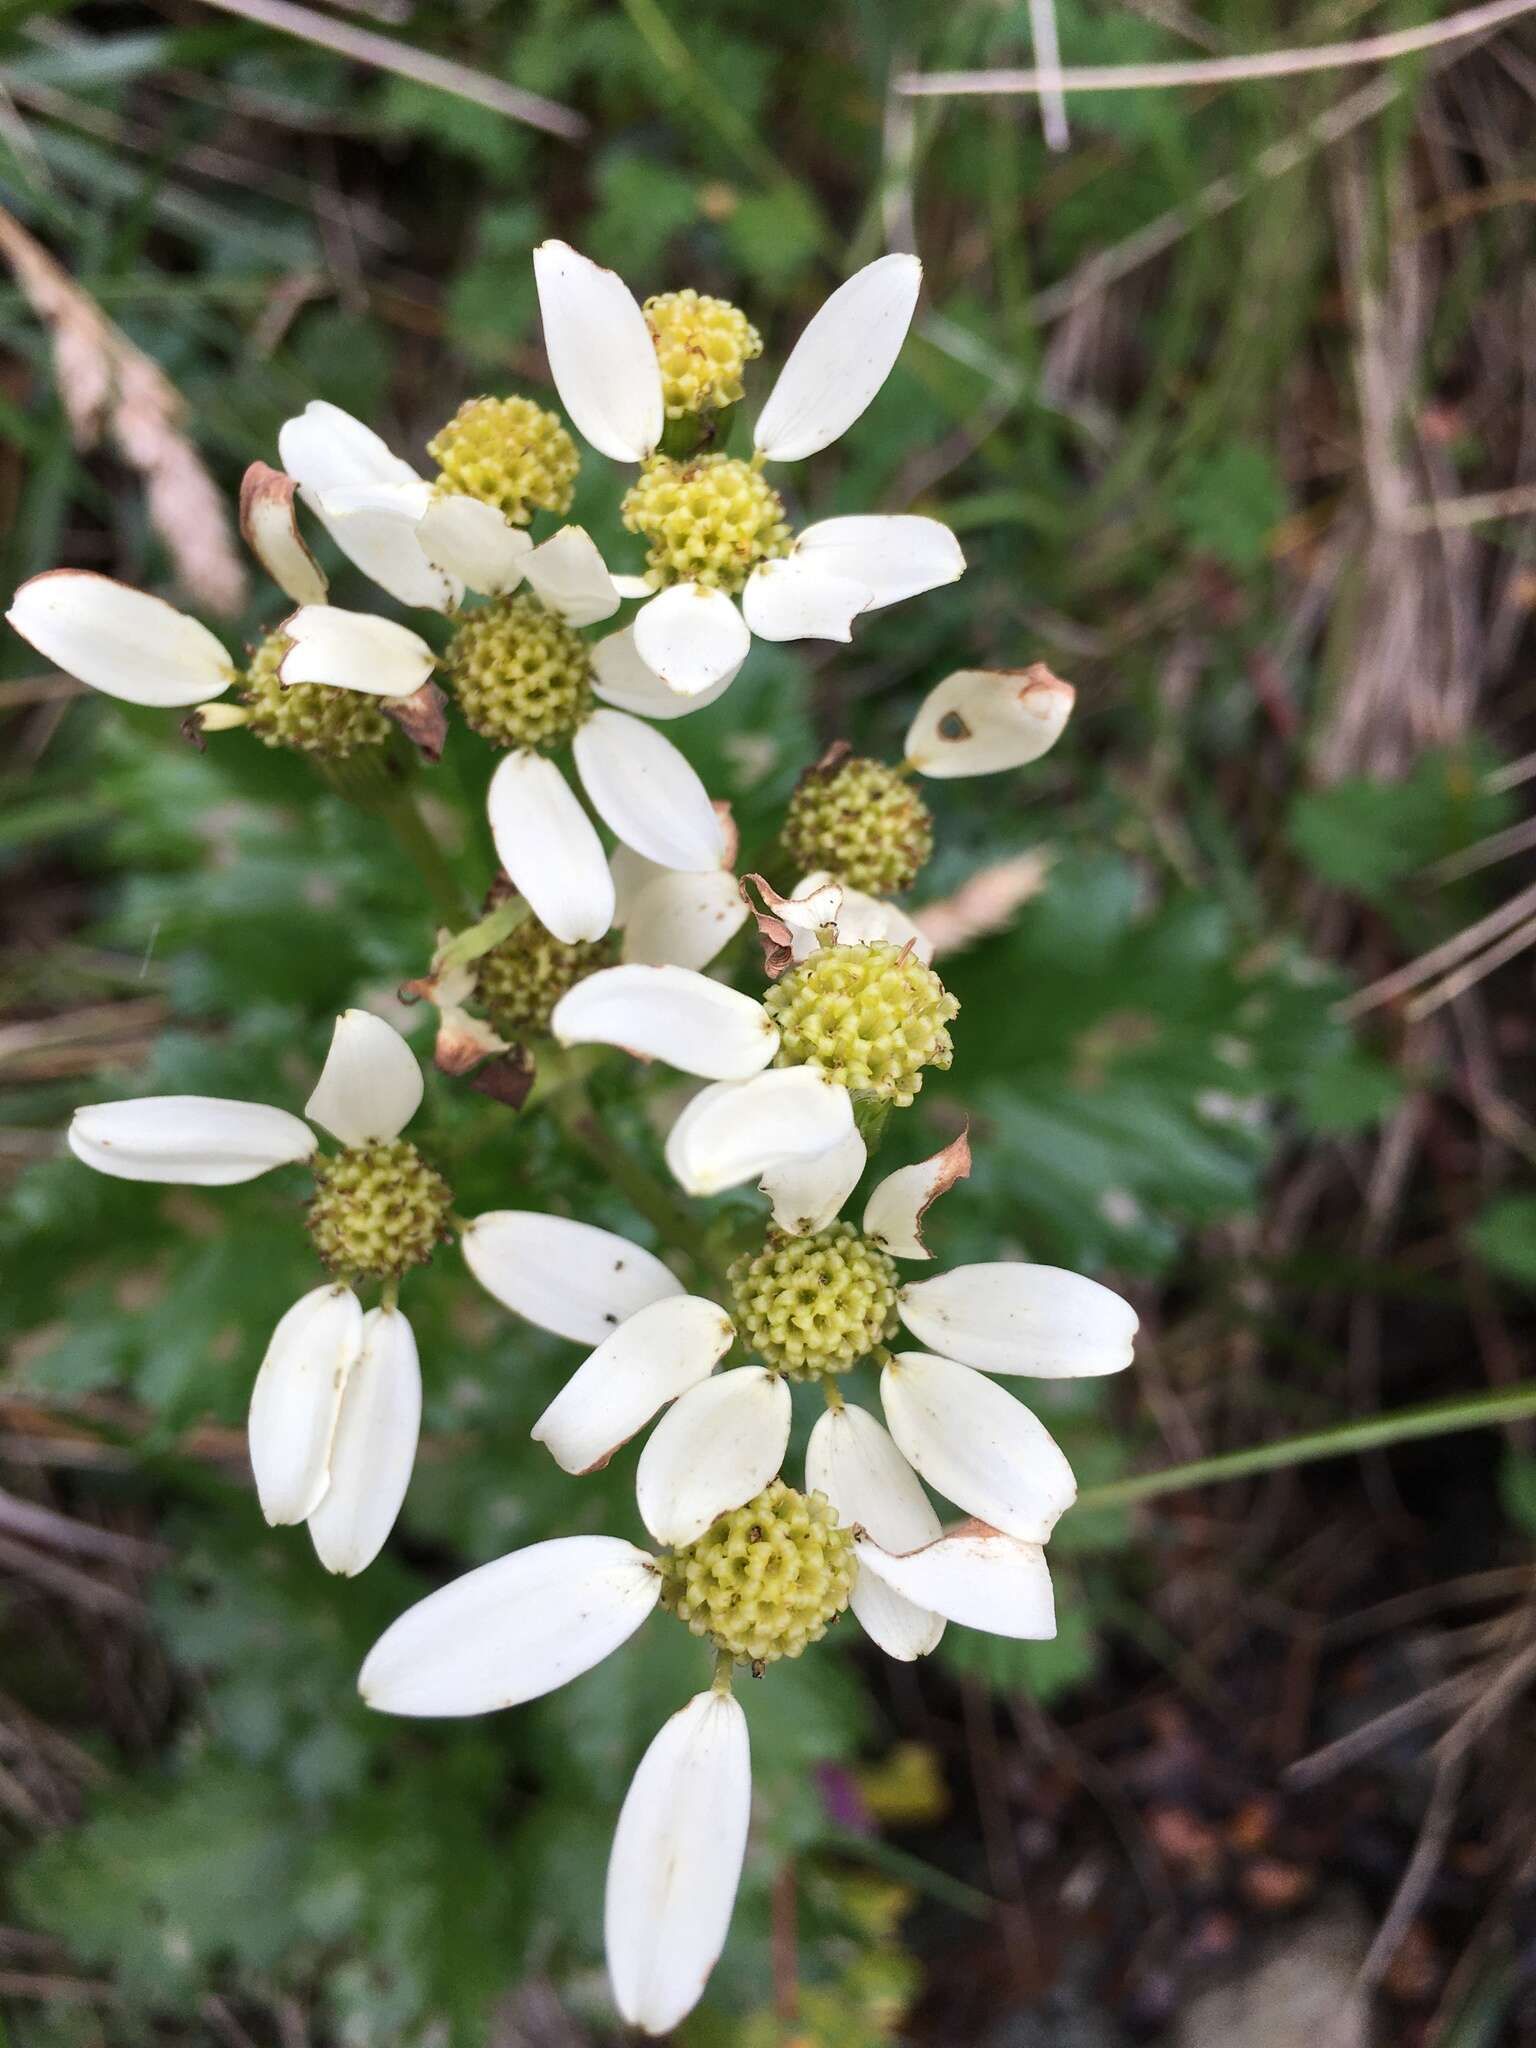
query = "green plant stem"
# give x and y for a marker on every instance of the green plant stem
(645, 1191)
(912, 1870)
(400, 811)
(1443, 1418)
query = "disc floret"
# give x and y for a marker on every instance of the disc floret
(814, 1305)
(378, 1210)
(520, 980)
(765, 1580)
(869, 1018)
(522, 676)
(509, 452)
(863, 823)
(702, 344)
(709, 519)
(309, 717)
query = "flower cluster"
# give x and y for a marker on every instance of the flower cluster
(583, 944)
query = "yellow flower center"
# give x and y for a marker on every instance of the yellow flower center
(702, 344)
(709, 519)
(766, 1580)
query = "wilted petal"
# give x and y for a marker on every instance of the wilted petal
(841, 360)
(647, 793)
(669, 1013)
(657, 1354)
(622, 679)
(354, 651)
(473, 543)
(122, 642)
(1013, 1318)
(713, 1449)
(975, 1444)
(269, 522)
(512, 1630)
(808, 1194)
(297, 1397)
(895, 556)
(854, 1463)
(893, 1215)
(572, 1278)
(370, 1086)
(373, 1449)
(550, 848)
(191, 1140)
(693, 638)
(682, 920)
(797, 599)
(569, 574)
(740, 1130)
(676, 1862)
(979, 721)
(862, 920)
(601, 355)
(975, 1576)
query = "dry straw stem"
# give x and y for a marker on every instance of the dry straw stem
(984, 903)
(108, 385)
(384, 53)
(1219, 70)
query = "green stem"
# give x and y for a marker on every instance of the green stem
(912, 1870)
(646, 1192)
(1442, 1418)
(399, 810)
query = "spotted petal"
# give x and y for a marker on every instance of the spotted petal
(653, 1357)
(569, 1277)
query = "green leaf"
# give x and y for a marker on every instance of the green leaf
(1230, 504)
(1505, 1238)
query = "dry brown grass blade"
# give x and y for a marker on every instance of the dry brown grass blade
(1222, 70)
(109, 386)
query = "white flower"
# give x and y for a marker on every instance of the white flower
(972, 1442)
(421, 543)
(722, 1439)
(605, 367)
(519, 1628)
(336, 1408)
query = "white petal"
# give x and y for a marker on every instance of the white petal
(893, 1215)
(377, 500)
(631, 873)
(633, 586)
(377, 526)
(122, 642)
(694, 639)
(669, 1013)
(841, 360)
(512, 1630)
(647, 793)
(975, 1444)
(622, 679)
(713, 1449)
(572, 1278)
(797, 599)
(355, 651)
(373, 1449)
(682, 920)
(550, 848)
(897, 556)
(676, 1862)
(807, 1194)
(325, 447)
(978, 721)
(296, 1399)
(201, 1141)
(657, 1354)
(370, 1086)
(975, 1576)
(740, 1130)
(568, 573)
(601, 355)
(473, 543)
(1022, 1319)
(854, 1463)
(269, 522)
